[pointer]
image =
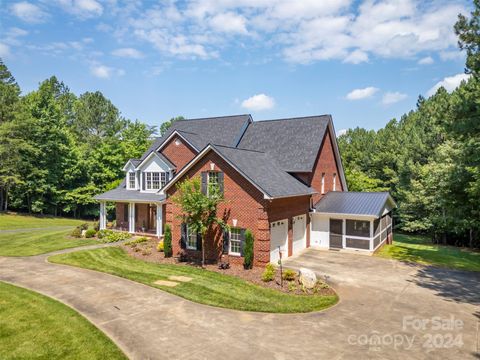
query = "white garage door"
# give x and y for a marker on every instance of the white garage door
(299, 233)
(278, 238)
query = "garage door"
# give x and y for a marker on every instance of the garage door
(299, 233)
(278, 239)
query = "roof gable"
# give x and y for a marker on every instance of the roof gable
(293, 143)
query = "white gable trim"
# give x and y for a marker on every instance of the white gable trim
(198, 158)
(173, 134)
(338, 158)
(152, 154)
(126, 165)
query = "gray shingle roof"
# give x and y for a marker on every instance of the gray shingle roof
(355, 203)
(122, 194)
(223, 130)
(262, 170)
(294, 143)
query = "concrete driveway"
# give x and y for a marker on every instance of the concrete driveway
(376, 295)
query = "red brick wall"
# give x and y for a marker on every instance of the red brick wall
(246, 204)
(119, 215)
(179, 155)
(327, 164)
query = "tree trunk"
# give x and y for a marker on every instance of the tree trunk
(203, 251)
(6, 198)
(471, 238)
(1, 199)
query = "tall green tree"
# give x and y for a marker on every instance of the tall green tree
(167, 124)
(468, 32)
(9, 94)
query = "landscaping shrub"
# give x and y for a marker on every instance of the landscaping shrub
(160, 246)
(288, 275)
(167, 241)
(109, 236)
(90, 233)
(146, 252)
(83, 226)
(96, 226)
(104, 233)
(77, 232)
(137, 241)
(269, 273)
(248, 250)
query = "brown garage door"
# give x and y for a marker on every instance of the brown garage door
(336, 233)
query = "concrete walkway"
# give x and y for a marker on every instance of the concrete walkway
(375, 295)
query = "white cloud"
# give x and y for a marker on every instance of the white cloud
(393, 97)
(450, 83)
(128, 53)
(229, 23)
(359, 94)
(259, 102)
(28, 12)
(105, 72)
(4, 50)
(356, 57)
(82, 8)
(341, 132)
(426, 61)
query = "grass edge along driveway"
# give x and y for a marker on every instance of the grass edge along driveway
(419, 249)
(33, 325)
(206, 287)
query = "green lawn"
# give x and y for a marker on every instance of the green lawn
(13, 222)
(414, 248)
(33, 326)
(207, 287)
(36, 242)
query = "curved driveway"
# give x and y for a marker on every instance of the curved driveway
(375, 296)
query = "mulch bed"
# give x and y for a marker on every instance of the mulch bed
(147, 251)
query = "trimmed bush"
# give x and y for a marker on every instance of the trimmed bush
(77, 232)
(137, 241)
(83, 226)
(167, 241)
(288, 275)
(248, 250)
(90, 233)
(269, 273)
(109, 236)
(104, 233)
(96, 226)
(160, 246)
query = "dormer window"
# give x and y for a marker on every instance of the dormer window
(131, 180)
(155, 180)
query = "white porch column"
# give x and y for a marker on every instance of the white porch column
(159, 220)
(344, 231)
(103, 216)
(371, 235)
(131, 217)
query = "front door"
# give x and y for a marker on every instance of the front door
(336, 233)
(152, 217)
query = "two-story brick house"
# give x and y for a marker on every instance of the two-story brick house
(281, 179)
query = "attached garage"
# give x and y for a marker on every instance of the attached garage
(278, 240)
(354, 221)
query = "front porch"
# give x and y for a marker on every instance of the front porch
(136, 217)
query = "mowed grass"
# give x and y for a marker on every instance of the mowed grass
(36, 242)
(419, 249)
(13, 222)
(206, 287)
(33, 326)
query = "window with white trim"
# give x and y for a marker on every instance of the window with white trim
(191, 239)
(163, 179)
(334, 181)
(212, 182)
(131, 180)
(323, 183)
(152, 180)
(235, 241)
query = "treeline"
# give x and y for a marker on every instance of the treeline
(57, 150)
(430, 159)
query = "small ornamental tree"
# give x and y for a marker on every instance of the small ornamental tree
(167, 241)
(248, 250)
(199, 210)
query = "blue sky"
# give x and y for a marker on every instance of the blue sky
(364, 62)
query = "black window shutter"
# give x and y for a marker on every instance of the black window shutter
(183, 239)
(199, 242)
(204, 182)
(242, 241)
(226, 241)
(220, 182)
